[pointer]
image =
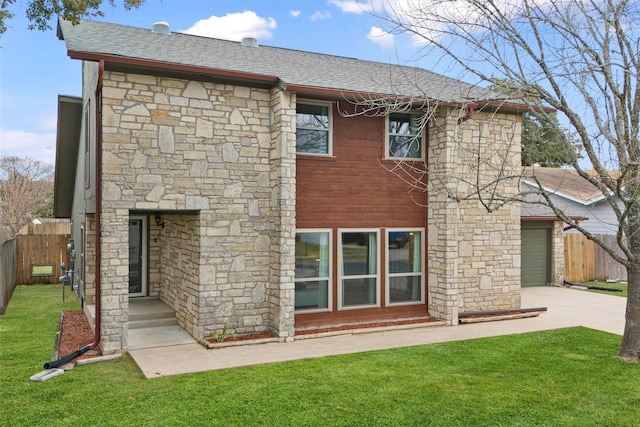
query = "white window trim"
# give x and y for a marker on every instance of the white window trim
(329, 152)
(341, 277)
(387, 134)
(330, 273)
(388, 275)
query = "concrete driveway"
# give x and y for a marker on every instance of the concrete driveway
(565, 308)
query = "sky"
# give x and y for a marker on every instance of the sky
(35, 68)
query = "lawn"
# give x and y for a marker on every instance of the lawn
(567, 377)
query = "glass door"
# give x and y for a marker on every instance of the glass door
(137, 256)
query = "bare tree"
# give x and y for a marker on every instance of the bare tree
(581, 59)
(26, 185)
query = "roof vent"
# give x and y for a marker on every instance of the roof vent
(161, 27)
(249, 41)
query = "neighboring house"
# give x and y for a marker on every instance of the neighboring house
(580, 200)
(575, 195)
(230, 181)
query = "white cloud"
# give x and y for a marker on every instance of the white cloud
(234, 26)
(381, 37)
(353, 6)
(295, 13)
(320, 15)
(41, 146)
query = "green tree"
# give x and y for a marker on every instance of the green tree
(544, 141)
(40, 12)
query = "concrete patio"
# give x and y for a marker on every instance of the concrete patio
(165, 351)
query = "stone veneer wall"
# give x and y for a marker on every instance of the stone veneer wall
(557, 246)
(175, 145)
(89, 259)
(281, 292)
(474, 255)
(180, 278)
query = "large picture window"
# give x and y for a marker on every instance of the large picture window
(312, 270)
(359, 271)
(313, 129)
(405, 268)
(404, 136)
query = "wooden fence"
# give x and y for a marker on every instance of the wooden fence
(7, 272)
(607, 267)
(38, 257)
(585, 261)
(579, 258)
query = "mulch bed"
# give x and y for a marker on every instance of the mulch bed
(75, 333)
(366, 326)
(249, 337)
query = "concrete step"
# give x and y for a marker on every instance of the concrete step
(152, 323)
(149, 313)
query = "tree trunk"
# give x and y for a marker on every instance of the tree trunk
(630, 347)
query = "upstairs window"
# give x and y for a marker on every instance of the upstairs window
(404, 136)
(313, 129)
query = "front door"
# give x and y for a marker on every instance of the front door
(137, 256)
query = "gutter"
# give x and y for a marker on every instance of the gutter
(98, 196)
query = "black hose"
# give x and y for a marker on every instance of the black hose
(67, 359)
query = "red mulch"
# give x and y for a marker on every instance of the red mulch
(75, 334)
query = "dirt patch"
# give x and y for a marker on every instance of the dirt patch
(75, 333)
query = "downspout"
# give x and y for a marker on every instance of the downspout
(98, 197)
(470, 112)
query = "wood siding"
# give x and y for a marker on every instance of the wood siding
(352, 189)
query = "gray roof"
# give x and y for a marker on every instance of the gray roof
(93, 40)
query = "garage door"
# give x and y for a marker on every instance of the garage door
(535, 256)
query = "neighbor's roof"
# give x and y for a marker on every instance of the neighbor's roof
(294, 70)
(564, 183)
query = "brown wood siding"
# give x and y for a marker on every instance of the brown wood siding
(352, 189)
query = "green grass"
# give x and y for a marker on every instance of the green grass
(567, 377)
(621, 286)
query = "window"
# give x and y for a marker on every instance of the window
(405, 266)
(313, 129)
(87, 145)
(359, 260)
(312, 270)
(404, 138)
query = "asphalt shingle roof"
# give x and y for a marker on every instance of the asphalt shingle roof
(292, 67)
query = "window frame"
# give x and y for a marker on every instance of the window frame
(329, 130)
(329, 276)
(389, 275)
(388, 134)
(342, 277)
(87, 144)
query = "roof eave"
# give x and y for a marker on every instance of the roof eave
(67, 143)
(149, 63)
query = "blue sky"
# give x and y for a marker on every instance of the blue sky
(35, 69)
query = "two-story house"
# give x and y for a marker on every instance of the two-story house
(244, 186)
